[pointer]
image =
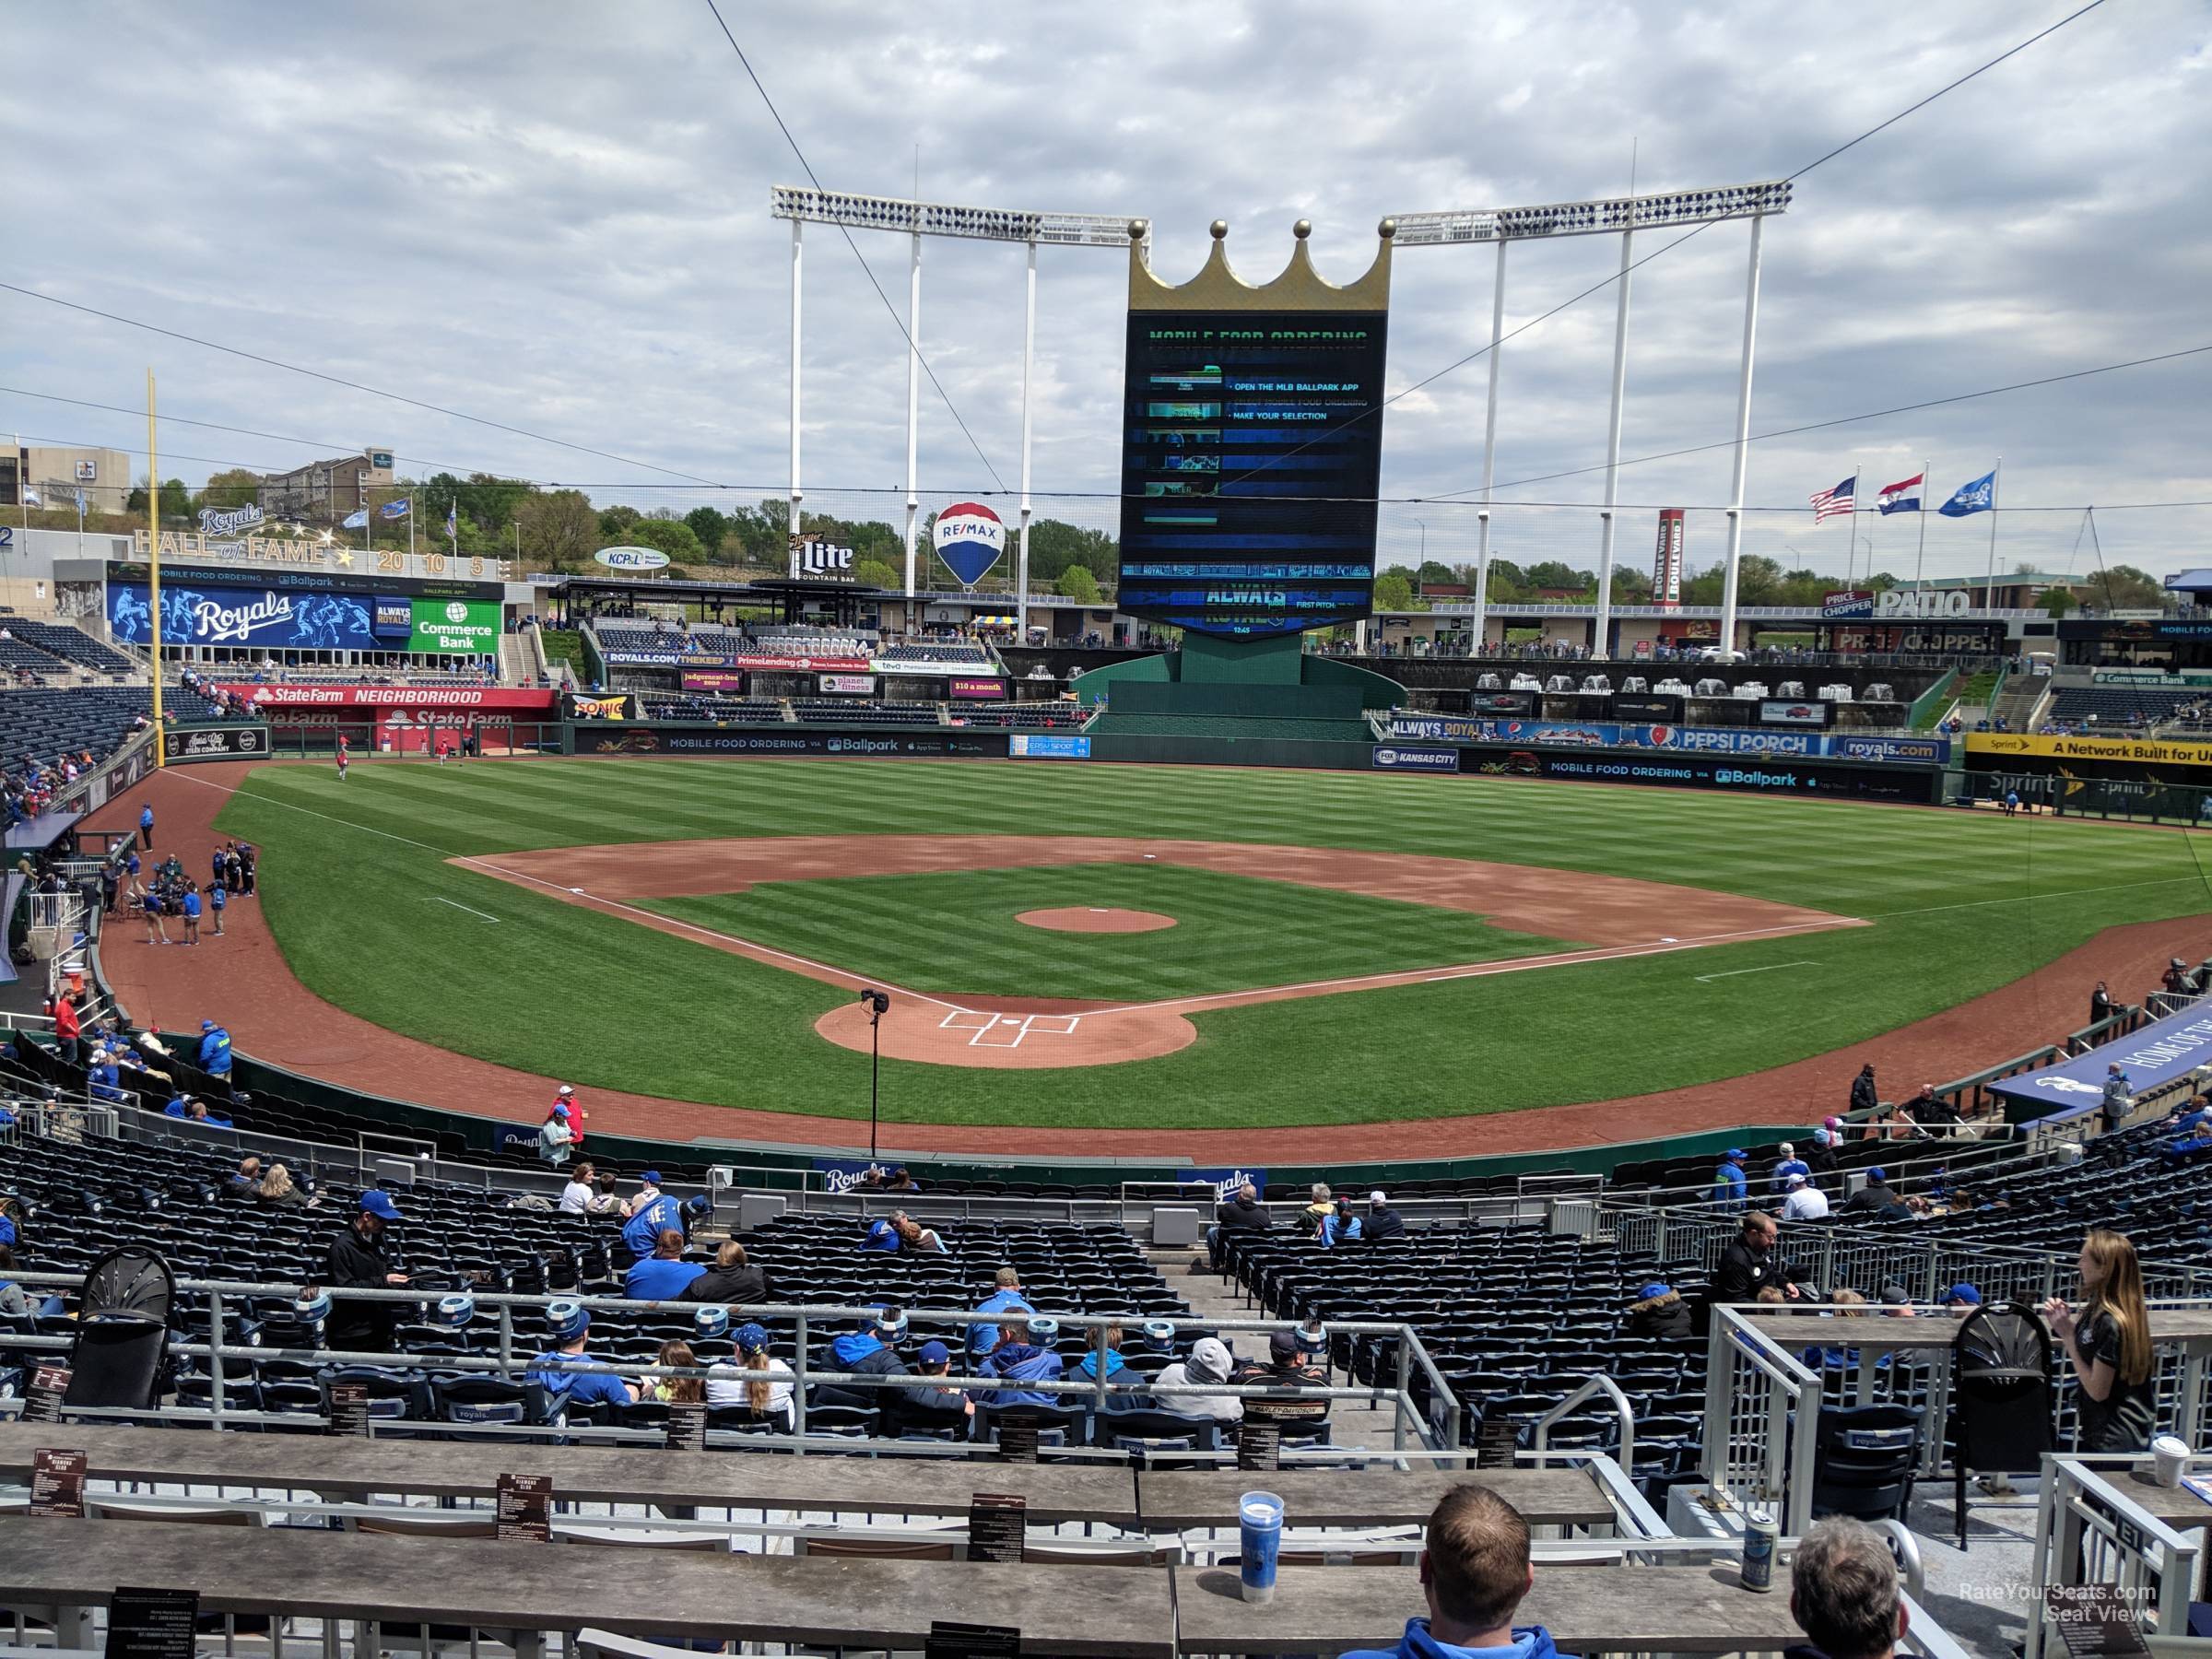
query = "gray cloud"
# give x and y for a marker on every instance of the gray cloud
(556, 216)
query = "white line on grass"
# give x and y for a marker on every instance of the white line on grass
(1704, 979)
(471, 908)
(2120, 886)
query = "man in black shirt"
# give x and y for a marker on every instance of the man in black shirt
(1242, 1210)
(1749, 1266)
(1383, 1222)
(356, 1261)
(1875, 1197)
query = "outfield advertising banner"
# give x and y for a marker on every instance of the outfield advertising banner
(843, 1174)
(1916, 785)
(1399, 757)
(1048, 746)
(455, 627)
(1919, 751)
(977, 690)
(217, 743)
(1709, 740)
(1777, 712)
(1224, 1182)
(669, 739)
(2140, 749)
(712, 679)
(274, 699)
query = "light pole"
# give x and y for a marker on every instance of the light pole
(878, 1004)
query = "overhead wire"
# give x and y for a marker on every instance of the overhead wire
(889, 310)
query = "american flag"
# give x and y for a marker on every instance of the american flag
(1844, 498)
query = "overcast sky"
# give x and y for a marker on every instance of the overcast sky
(556, 216)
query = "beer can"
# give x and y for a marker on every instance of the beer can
(1762, 1535)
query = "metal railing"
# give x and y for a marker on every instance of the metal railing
(2088, 1530)
(222, 1298)
(1760, 1406)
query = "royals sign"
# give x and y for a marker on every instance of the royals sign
(214, 520)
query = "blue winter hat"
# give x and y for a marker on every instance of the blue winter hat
(890, 1321)
(752, 1338)
(711, 1320)
(1314, 1338)
(570, 1320)
(1653, 1290)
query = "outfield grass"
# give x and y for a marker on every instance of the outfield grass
(956, 933)
(363, 904)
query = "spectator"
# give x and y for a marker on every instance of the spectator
(103, 1080)
(556, 1371)
(14, 1305)
(1931, 1112)
(1658, 1310)
(913, 1235)
(2107, 1344)
(882, 1234)
(1285, 1367)
(278, 1188)
(1897, 1302)
(1020, 1357)
(868, 1349)
(2193, 1118)
(246, 1181)
(1820, 1157)
(1750, 1264)
(1319, 1210)
(1209, 1366)
(898, 1181)
(1843, 1590)
(1787, 1165)
(662, 1275)
(215, 1050)
(1243, 1212)
(649, 1215)
(68, 1029)
(1847, 1303)
(217, 897)
(768, 1399)
(1730, 1190)
(576, 1195)
(146, 826)
(674, 1391)
(1803, 1201)
(1006, 1297)
(1961, 1298)
(928, 1408)
(1339, 1226)
(1770, 1295)
(1875, 1197)
(557, 1136)
(732, 1279)
(1110, 1339)
(2174, 982)
(356, 1260)
(190, 904)
(2117, 1102)
(1383, 1222)
(1865, 1096)
(2101, 1004)
(1475, 1572)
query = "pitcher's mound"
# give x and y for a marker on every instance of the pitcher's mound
(1076, 918)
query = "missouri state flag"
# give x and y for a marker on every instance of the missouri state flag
(1900, 497)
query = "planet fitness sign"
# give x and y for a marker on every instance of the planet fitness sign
(455, 627)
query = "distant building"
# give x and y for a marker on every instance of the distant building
(55, 475)
(325, 491)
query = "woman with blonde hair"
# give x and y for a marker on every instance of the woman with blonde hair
(767, 1399)
(277, 1187)
(2108, 1343)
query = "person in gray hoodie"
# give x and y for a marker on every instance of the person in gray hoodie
(1208, 1366)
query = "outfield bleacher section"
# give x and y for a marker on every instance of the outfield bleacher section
(70, 644)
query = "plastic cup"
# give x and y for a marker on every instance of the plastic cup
(2169, 1456)
(1260, 1529)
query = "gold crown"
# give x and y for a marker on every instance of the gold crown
(1217, 288)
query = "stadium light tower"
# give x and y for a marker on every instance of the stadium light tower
(918, 219)
(1626, 215)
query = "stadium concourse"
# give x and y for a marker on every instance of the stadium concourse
(275, 1019)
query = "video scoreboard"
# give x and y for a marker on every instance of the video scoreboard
(1251, 455)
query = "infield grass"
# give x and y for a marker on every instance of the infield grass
(956, 932)
(365, 908)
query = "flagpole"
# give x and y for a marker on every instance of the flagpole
(410, 527)
(153, 563)
(1989, 581)
(1920, 559)
(22, 487)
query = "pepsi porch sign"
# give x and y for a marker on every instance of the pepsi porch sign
(969, 538)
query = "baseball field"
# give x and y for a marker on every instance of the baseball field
(1317, 948)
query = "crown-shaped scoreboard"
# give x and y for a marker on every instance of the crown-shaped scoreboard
(1252, 444)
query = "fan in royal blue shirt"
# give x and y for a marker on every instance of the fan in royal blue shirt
(1475, 1572)
(662, 1275)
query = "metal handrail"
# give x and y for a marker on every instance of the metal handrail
(1597, 1382)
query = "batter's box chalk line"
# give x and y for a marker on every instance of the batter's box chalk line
(1006, 1030)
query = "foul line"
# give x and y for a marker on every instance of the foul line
(1706, 979)
(2118, 887)
(436, 898)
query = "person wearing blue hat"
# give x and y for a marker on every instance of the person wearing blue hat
(356, 1260)
(553, 1369)
(931, 1410)
(1962, 1299)
(214, 1050)
(1024, 1354)
(868, 1349)
(1877, 1197)
(768, 1400)
(1659, 1311)
(664, 1275)
(649, 1215)
(1730, 1190)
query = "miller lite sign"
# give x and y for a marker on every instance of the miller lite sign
(820, 559)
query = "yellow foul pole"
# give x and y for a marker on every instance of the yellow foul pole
(153, 556)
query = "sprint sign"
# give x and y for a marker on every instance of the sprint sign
(969, 538)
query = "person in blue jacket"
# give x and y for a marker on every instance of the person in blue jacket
(651, 1214)
(103, 1078)
(191, 902)
(1730, 1190)
(1340, 1226)
(1475, 1572)
(1024, 1354)
(869, 1349)
(550, 1370)
(662, 1275)
(217, 898)
(1787, 1165)
(214, 1050)
(881, 1235)
(146, 826)
(1006, 1299)
(1089, 1368)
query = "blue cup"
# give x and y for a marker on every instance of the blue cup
(1260, 1528)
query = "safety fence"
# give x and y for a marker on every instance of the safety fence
(2105, 1532)
(1755, 1453)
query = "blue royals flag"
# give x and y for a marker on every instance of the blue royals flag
(452, 522)
(355, 521)
(395, 509)
(1977, 497)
